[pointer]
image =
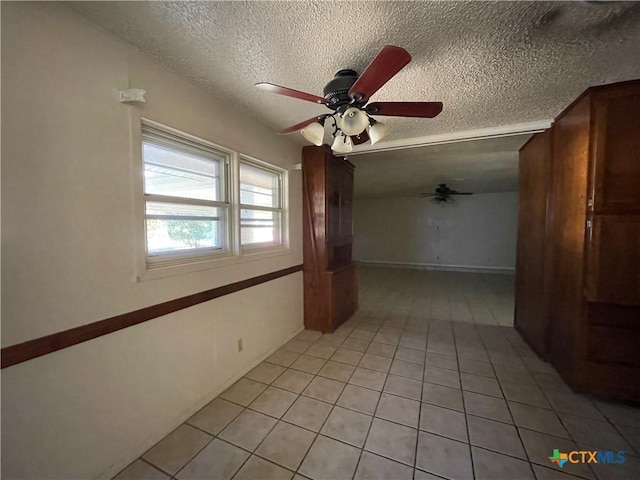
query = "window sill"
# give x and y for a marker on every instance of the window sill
(199, 265)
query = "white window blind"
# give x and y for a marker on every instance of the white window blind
(186, 197)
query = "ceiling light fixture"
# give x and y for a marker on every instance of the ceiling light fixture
(377, 130)
(347, 123)
(314, 133)
(342, 144)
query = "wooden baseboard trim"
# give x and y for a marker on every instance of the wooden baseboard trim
(30, 349)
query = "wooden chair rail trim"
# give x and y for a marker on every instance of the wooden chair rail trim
(30, 349)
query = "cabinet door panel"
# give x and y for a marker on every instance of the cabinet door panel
(615, 175)
(333, 201)
(346, 203)
(613, 269)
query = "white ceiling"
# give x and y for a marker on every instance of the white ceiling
(492, 64)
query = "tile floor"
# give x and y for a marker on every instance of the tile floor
(428, 380)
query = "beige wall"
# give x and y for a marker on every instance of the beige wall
(70, 183)
(475, 233)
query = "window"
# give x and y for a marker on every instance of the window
(261, 223)
(204, 203)
(187, 208)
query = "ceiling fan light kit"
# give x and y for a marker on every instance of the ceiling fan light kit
(443, 194)
(347, 95)
(314, 132)
(342, 144)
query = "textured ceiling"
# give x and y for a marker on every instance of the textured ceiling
(479, 166)
(490, 63)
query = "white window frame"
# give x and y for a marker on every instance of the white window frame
(280, 209)
(183, 262)
(180, 141)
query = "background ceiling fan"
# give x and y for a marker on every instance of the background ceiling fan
(347, 95)
(443, 194)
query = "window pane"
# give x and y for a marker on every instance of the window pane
(175, 227)
(259, 187)
(180, 174)
(259, 226)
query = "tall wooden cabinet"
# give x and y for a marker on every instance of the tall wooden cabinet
(330, 277)
(578, 279)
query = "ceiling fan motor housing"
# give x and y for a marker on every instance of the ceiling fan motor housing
(337, 90)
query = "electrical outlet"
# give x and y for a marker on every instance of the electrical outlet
(240, 345)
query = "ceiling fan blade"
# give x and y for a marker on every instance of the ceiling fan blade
(453, 192)
(290, 92)
(360, 139)
(387, 63)
(405, 109)
(300, 126)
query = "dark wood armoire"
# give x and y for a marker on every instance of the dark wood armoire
(330, 277)
(578, 266)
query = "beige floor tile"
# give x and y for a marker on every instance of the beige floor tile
(414, 343)
(407, 369)
(476, 367)
(529, 394)
(347, 426)
(362, 334)
(368, 378)
(321, 351)
(360, 399)
(286, 445)
(293, 380)
(273, 401)
(420, 475)
(355, 344)
(441, 376)
(308, 364)
(442, 396)
(410, 355)
(403, 387)
(398, 409)
(215, 416)
(330, 460)
(308, 336)
(219, 460)
(574, 404)
(382, 350)
(375, 467)
(297, 346)
(444, 457)
(337, 371)
(375, 362)
(282, 357)
(490, 466)
(308, 413)
(174, 451)
(140, 470)
(243, 392)
(443, 421)
(324, 389)
(487, 407)
(538, 419)
(387, 338)
(332, 339)
(265, 372)
(350, 357)
(478, 384)
(496, 436)
(592, 432)
(248, 430)
(393, 441)
(257, 468)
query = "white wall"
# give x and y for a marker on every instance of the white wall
(475, 233)
(69, 184)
